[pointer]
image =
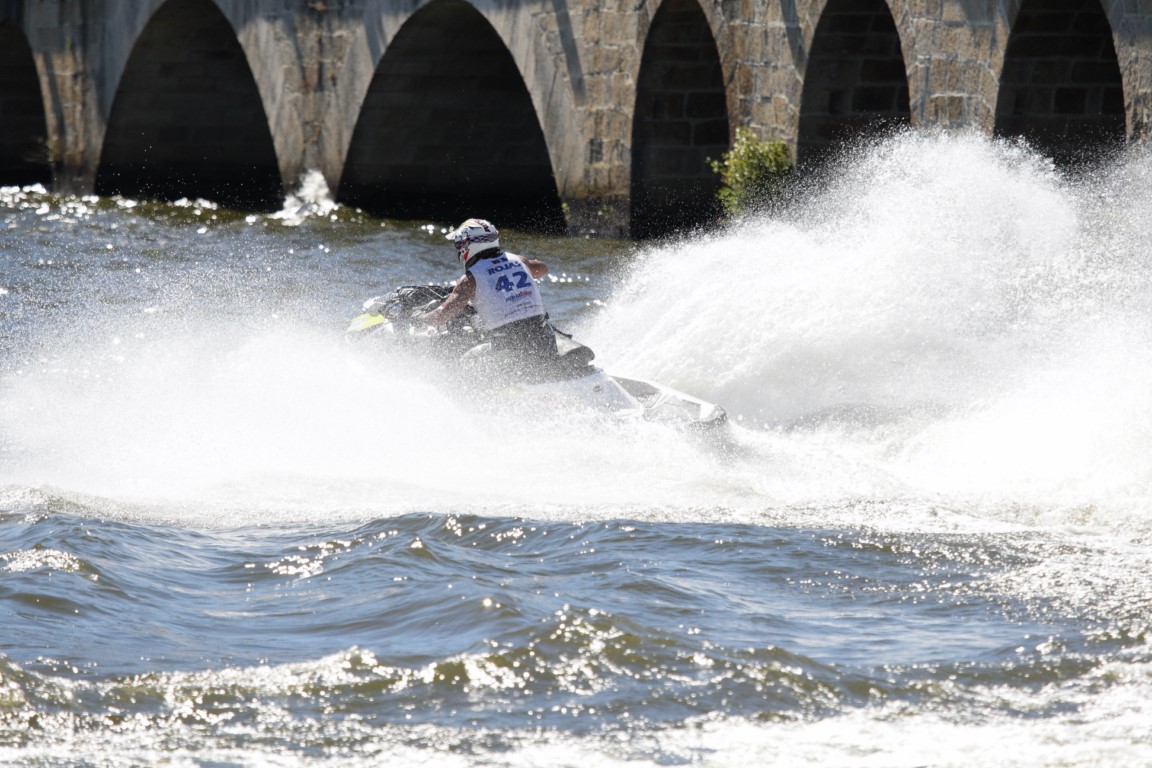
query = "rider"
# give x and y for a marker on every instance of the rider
(502, 287)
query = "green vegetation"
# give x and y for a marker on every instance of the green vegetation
(752, 172)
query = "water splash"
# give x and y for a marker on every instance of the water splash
(311, 199)
(950, 312)
(950, 321)
(287, 420)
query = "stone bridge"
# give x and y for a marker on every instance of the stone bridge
(573, 115)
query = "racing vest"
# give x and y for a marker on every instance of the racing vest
(505, 291)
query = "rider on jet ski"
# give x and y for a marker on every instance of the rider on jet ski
(502, 287)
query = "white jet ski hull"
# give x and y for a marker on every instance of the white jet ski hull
(575, 381)
(622, 398)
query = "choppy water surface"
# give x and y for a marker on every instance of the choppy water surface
(227, 537)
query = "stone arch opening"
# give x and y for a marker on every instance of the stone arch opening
(680, 124)
(187, 120)
(24, 155)
(448, 129)
(855, 84)
(1061, 88)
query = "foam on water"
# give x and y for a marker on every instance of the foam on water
(311, 198)
(1098, 728)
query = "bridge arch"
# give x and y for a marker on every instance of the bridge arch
(24, 155)
(679, 124)
(448, 128)
(855, 82)
(1060, 86)
(187, 119)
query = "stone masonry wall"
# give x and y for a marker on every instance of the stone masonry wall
(579, 65)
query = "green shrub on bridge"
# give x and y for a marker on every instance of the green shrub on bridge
(752, 172)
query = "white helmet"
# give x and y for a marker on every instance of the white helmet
(474, 236)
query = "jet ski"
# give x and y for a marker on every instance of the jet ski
(570, 379)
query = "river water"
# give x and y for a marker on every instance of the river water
(229, 538)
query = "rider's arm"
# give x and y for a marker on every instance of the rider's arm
(536, 267)
(455, 304)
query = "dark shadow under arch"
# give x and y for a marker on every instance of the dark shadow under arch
(855, 83)
(448, 129)
(1061, 88)
(680, 123)
(187, 120)
(24, 155)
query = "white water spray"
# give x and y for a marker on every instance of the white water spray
(312, 198)
(951, 315)
(950, 322)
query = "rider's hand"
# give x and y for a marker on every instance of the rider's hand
(374, 305)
